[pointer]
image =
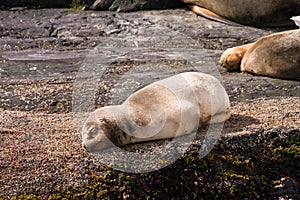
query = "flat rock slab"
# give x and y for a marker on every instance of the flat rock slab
(68, 30)
(43, 55)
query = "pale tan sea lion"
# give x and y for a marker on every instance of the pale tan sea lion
(276, 55)
(164, 109)
(261, 13)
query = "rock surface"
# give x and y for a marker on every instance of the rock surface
(125, 6)
(52, 44)
(112, 5)
(41, 53)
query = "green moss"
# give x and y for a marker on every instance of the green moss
(233, 189)
(55, 196)
(293, 151)
(121, 176)
(229, 175)
(229, 171)
(27, 197)
(202, 166)
(77, 5)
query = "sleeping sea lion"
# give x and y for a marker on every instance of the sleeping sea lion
(260, 13)
(275, 55)
(168, 108)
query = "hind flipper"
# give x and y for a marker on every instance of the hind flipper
(210, 15)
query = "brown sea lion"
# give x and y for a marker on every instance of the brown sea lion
(275, 55)
(260, 13)
(171, 107)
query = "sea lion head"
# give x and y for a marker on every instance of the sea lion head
(100, 131)
(93, 134)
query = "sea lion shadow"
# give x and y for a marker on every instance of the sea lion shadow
(237, 123)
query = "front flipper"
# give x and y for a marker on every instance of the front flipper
(231, 58)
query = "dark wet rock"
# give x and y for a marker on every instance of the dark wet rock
(242, 167)
(101, 4)
(129, 5)
(35, 4)
(286, 185)
(112, 5)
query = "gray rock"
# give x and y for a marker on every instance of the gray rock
(102, 4)
(285, 186)
(133, 5)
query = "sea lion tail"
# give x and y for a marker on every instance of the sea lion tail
(210, 15)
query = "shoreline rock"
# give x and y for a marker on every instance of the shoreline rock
(7, 4)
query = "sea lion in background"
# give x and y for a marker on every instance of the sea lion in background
(171, 107)
(276, 55)
(260, 13)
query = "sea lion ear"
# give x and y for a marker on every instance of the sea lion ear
(296, 19)
(91, 130)
(112, 132)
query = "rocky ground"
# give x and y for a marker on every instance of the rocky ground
(44, 57)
